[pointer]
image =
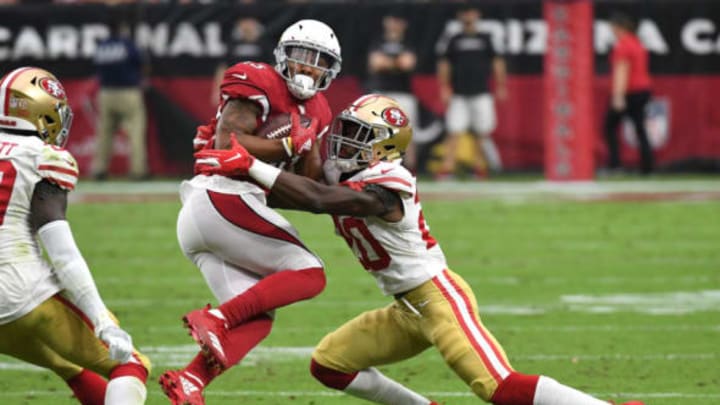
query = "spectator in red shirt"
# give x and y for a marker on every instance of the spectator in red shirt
(630, 91)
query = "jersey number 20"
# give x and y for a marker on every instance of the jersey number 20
(359, 237)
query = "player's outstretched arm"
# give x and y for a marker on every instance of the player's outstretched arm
(298, 192)
(48, 207)
(302, 193)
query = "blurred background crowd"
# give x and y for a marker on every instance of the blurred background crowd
(141, 75)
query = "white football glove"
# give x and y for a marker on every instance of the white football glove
(119, 342)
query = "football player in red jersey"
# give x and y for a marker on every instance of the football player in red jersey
(250, 256)
(376, 209)
(51, 313)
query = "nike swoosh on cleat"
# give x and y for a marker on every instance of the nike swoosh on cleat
(240, 76)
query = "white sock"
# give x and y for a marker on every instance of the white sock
(125, 390)
(551, 392)
(372, 385)
(492, 156)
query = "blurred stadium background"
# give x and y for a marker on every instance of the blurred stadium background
(185, 42)
(611, 285)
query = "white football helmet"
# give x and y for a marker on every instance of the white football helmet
(311, 43)
(33, 102)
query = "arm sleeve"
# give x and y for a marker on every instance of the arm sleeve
(73, 272)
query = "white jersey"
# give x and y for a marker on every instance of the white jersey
(26, 279)
(400, 255)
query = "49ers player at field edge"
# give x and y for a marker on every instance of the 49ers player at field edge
(51, 314)
(250, 256)
(375, 207)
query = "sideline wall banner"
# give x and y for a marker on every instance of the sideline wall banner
(568, 113)
(185, 43)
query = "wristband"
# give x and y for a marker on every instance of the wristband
(264, 173)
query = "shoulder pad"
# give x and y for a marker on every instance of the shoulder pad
(390, 175)
(58, 166)
(246, 79)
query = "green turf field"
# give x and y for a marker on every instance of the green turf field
(620, 299)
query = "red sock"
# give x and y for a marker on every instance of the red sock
(243, 338)
(274, 291)
(88, 387)
(198, 368)
(130, 370)
(240, 340)
(516, 389)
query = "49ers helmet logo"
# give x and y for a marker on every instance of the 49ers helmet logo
(52, 87)
(394, 116)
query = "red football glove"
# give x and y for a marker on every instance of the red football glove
(203, 137)
(232, 162)
(301, 139)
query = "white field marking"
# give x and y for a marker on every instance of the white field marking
(604, 280)
(148, 279)
(510, 191)
(155, 302)
(616, 357)
(540, 328)
(329, 393)
(565, 328)
(500, 280)
(180, 355)
(651, 304)
(669, 303)
(511, 310)
(610, 328)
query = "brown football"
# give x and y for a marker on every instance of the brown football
(278, 126)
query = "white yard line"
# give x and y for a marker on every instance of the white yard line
(328, 393)
(179, 355)
(509, 191)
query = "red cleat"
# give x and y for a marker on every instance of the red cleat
(181, 388)
(209, 332)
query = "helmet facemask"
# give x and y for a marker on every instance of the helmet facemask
(351, 141)
(293, 56)
(53, 132)
(66, 117)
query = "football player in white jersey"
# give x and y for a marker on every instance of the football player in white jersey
(51, 314)
(376, 209)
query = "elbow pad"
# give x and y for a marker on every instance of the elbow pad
(72, 271)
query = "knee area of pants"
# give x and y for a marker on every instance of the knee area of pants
(329, 377)
(482, 390)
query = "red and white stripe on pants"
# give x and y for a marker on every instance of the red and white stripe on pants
(236, 240)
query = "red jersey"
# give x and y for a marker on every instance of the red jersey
(260, 83)
(628, 48)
